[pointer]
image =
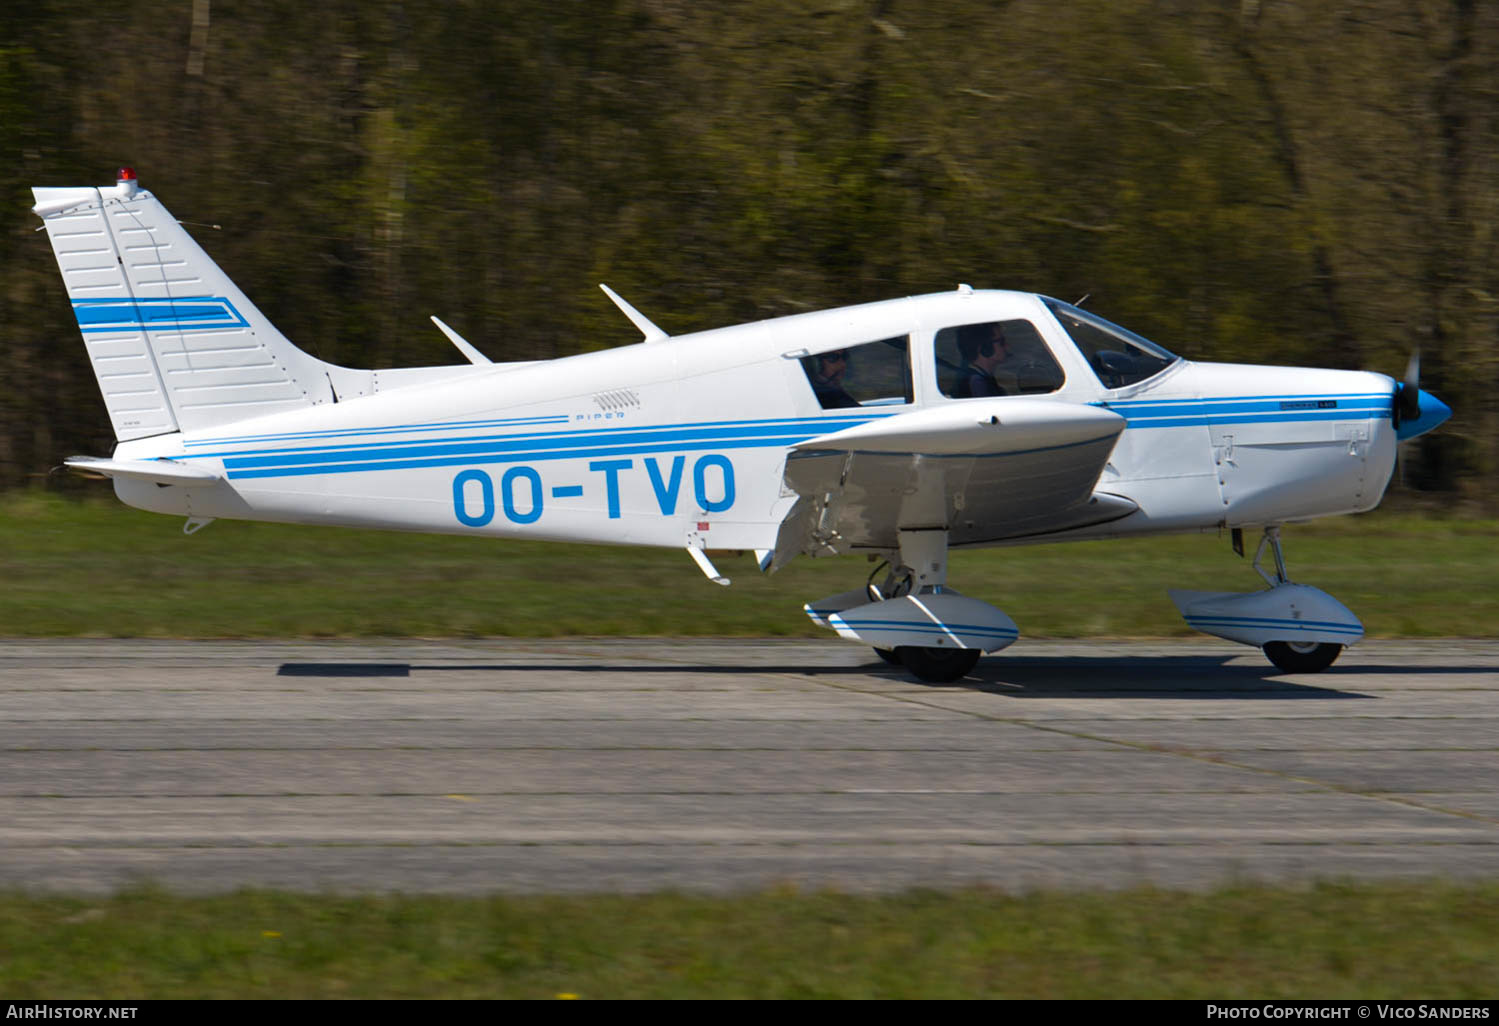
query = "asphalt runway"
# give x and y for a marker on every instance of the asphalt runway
(634, 765)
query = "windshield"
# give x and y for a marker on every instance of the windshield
(1118, 356)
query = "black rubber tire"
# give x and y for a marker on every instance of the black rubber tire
(1308, 657)
(890, 657)
(938, 665)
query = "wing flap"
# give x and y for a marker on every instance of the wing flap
(985, 471)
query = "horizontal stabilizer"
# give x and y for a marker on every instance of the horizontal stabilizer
(162, 471)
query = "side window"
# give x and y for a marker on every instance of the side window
(995, 358)
(868, 374)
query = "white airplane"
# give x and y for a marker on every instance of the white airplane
(896, 430)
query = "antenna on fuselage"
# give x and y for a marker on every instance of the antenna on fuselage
(640, 320)
(1080, 302)
(464, 346)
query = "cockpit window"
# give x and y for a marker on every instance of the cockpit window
(1118, 356)
(995, 358)
(868, 374)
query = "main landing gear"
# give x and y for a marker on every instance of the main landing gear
(932, 664)
(1302, 656)
(912, 620)
(937, 665)
(1301, 629)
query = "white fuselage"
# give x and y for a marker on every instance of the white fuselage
(655, 443)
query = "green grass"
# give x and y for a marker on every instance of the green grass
(97, 568)
(1328, 941)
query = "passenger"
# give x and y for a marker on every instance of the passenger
(983, 348)
(827, 380)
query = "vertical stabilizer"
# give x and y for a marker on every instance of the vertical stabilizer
(174, 344)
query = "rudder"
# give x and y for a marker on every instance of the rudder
(174, 344)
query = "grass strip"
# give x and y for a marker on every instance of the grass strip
(1330, 940)
(100, 569)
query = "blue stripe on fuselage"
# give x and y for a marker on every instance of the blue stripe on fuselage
(514, 444)
(483, 459)
(528, 446)
(1279, 409)
(822, 425)
(352, 456)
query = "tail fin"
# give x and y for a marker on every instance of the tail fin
(174, 344)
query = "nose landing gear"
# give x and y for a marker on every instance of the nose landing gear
(1291, 656)
(1301, 629)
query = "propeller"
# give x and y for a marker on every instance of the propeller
(1408, 392)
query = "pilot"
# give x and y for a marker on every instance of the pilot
(827, 382)
(983, 348)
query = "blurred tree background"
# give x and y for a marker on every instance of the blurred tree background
(1286, 181)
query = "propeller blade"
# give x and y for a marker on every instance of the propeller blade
(1408, 392)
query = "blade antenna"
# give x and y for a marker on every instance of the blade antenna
(464, 346)
(640, 320)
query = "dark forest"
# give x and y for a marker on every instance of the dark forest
(1252, 181)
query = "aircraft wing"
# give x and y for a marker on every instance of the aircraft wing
(986, 471)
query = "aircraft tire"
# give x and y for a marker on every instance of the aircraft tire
(893, 658)
(938, 665)
(1302, 657)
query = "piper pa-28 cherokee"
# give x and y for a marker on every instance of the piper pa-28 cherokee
(898, 430)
